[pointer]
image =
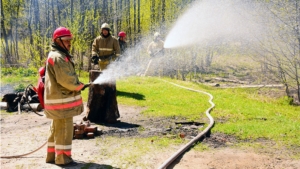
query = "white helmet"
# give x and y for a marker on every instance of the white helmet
(156, 34)
(105, 25)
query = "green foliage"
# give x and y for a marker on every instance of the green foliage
(18, 72)
(20, 87)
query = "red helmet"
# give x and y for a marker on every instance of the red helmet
(62, 32)
(122, 34)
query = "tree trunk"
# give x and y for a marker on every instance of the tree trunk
(152, 15)
(29, 19)
(127, 4)
(163, 15)
(58, 11)
(3, 31)
(119, 18)
(115, 14)
(71, 10)
(139, 20)
(104, 12)
(102, 103)
(53, 15)
(16, 32)
(134, 22)
(38, 28)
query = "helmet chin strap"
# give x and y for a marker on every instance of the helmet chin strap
(63, 44)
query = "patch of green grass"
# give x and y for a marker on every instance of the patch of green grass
(241, 112)
(161, 98)
(200, 147)
(250, 115)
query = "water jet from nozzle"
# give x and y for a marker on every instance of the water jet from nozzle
(211, 21)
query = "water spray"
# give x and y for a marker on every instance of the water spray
(212, 21)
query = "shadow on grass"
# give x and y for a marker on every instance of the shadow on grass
(136, 96)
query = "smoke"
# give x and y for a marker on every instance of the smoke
(210, 21)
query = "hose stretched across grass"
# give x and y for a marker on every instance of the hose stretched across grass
(207, 129)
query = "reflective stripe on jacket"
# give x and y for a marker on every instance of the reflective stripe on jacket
(62, 87)
(105, 46)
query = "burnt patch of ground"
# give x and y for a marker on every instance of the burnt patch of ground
(139, 126)
(217, 140)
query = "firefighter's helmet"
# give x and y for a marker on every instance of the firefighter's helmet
(156, 34)
(105, 26)
(63, 33)
(122, 34)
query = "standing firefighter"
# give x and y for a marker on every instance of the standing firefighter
(105, 48)
(156, 47)
(62, 98)
(122, 42)
(155, 50)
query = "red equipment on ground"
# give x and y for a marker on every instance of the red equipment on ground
(41, 85)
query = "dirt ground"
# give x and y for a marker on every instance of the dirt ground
(25, 132)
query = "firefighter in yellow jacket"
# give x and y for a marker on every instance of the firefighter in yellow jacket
(62, 98)
(156, 47)
(105, 48)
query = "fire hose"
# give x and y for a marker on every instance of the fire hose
(200, 135)
(17, 156)
(27, 99)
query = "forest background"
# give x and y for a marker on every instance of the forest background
(27, 27)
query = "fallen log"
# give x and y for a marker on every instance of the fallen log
(3, 105)
(30, 107)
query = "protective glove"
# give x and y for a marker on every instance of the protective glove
(85, 86)
(95, 59)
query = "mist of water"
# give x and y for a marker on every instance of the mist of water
(132, 62)
(209, 21)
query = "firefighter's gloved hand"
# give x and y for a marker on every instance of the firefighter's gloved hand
(95, 59)
(86, 85)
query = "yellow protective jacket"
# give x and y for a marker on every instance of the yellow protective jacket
(105, 46)
(155, 47)
(62, 87)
